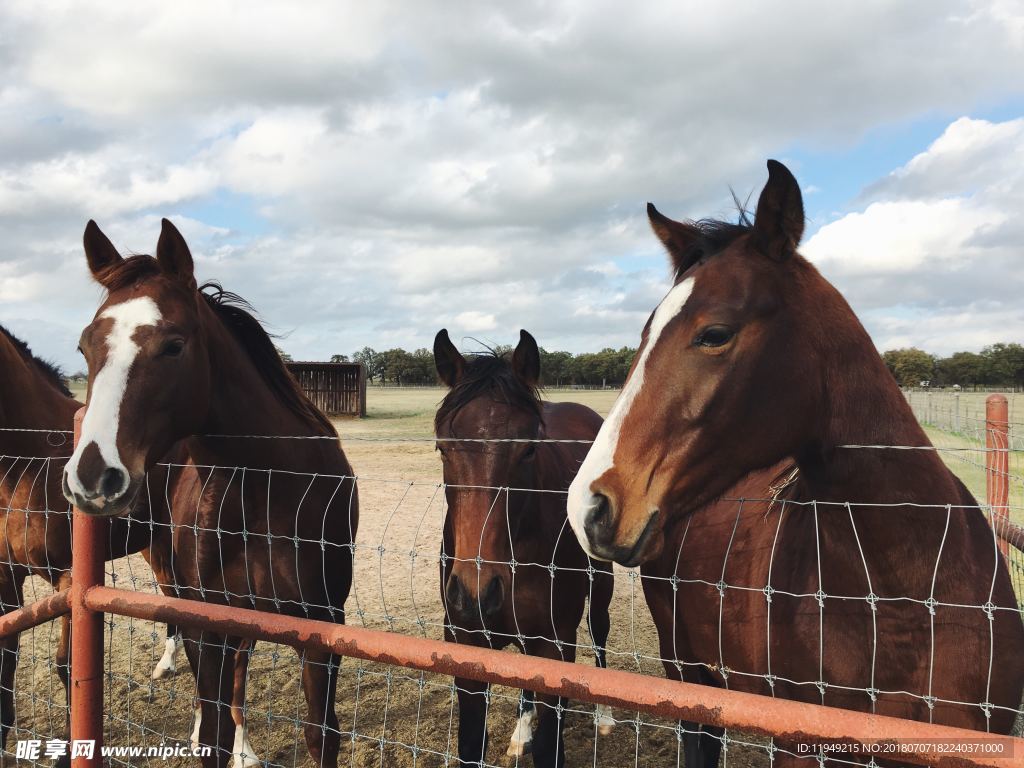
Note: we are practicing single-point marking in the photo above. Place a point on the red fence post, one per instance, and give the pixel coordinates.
(997, 462)
(86, 632)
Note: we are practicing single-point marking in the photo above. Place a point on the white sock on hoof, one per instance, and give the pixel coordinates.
(605, 720)
(522, 736)
(242, 753)
(194, 738)
(166, 666)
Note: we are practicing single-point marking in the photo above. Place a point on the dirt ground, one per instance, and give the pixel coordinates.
(389, 716)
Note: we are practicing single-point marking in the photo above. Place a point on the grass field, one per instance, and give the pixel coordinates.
(397, 412)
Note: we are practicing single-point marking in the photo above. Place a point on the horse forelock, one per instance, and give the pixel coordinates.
(492, 375)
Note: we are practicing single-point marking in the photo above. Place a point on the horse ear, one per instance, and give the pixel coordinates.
(99, 252)
(779, 221)
(526, 359)
(447, 359)
(678, 239)
(173, 255)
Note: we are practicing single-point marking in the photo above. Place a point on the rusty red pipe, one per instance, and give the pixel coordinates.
(88, 544)
(786, 720)
(35, 613)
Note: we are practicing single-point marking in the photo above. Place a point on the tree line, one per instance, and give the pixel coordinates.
(998, 365)
(558, 369)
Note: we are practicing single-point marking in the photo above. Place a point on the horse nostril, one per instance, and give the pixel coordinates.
(111, 482)
(454, 594)
(493, 597)
(600, 512)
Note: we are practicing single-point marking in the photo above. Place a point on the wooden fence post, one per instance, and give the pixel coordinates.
(997, 462)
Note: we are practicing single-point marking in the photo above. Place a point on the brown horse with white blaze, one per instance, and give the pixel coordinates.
(36, 414)
(868, 579)
(171, 361)
(511, 571)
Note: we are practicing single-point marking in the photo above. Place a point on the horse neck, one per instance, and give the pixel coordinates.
(28, 400)
(242, 403)
(862, 405)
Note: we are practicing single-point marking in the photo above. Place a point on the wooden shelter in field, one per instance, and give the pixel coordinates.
(337, 389)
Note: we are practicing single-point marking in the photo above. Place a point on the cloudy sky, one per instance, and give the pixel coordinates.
(368, 173)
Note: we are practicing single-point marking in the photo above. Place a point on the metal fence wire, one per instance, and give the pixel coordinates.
(392, 716)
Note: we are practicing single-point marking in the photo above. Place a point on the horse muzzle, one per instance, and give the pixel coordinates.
(470, 608)
(607, 538)
(111, 495)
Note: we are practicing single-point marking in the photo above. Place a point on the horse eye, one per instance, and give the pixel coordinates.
(172, 348)
(714, 336)
(530, 452)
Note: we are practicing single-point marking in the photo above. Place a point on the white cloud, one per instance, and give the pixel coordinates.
(902, 237)
(367, 173)
(474, 321)
(934, 258)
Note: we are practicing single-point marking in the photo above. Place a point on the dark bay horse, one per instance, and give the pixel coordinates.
(506, 506)
(172, 361)
(868, 579)
(35, 519)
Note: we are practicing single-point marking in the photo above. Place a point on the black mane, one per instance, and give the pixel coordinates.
(236, 314)
(715, 235)
(50, 371)
(492, 374)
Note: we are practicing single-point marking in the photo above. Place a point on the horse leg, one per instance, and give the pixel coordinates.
(521, 742)
(62, 659)
(472, 720)
(167, 666)
(243, 754)
(599, 623)
(319, 681)
(11, 599)
(548, 745)
(702, 744)
(157, 554)
(212, 661)
(63, 656)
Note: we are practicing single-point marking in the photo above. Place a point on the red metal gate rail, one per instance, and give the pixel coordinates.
(34, 614)
(786, 720)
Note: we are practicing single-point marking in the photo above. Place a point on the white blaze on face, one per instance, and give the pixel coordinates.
(601, 456)
(108, 387)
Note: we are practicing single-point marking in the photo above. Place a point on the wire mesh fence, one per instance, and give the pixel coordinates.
(389, 715)
(963, 412)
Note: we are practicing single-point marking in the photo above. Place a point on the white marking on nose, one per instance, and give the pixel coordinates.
(108, 387)
(601, 456)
